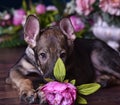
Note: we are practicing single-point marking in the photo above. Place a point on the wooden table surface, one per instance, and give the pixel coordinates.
(9, 96)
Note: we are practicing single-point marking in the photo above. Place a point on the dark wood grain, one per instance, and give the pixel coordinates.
(9, 96)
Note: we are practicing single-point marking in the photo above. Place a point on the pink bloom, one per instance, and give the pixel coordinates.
(18, 16)
(40, 9)
(7, 16)
(110, 6)
(2, 23)
(57, 93)
(51, 8)
(78, 25)
(84, 6)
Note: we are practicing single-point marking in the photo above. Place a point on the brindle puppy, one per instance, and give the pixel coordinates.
(86, 60)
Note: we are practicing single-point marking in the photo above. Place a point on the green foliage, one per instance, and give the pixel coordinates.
(48, 79)
(13, 42)
(48, 18)
(81, 100)
(24, 4)
(59, 70)
(10, 37)
(73, 81)
(9, 30)
(66, 81)
(87, 89)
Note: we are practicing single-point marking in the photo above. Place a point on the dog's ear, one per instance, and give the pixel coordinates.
(31, 30)
(67, 28)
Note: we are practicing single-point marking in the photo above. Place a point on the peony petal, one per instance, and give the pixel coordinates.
(110, 6)
(58, 93)
(58, 99)
(68, 98)
(84, 6)
(50, 99)
(78, 25)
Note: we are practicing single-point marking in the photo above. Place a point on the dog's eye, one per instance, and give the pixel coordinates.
(62, 55)
(43, 55)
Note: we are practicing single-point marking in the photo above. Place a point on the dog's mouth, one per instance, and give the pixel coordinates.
(40, 71)
(46, 74)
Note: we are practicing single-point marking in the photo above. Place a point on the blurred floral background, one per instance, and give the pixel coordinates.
(90, 19)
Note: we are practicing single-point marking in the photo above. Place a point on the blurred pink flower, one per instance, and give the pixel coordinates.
(78, 25)
(7, 16)
(2, 23)
(40, 9)
(51, 8)
(18, 16)
(84, 6)
(58, 93)
(110, 6)
(5, 20)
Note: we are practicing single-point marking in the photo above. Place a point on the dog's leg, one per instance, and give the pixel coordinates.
(106, 79)
(24, 85)
(107, 62)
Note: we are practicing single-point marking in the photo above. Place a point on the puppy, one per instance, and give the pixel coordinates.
(86, 60)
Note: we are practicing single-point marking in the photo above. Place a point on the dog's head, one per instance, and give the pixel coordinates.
(45, 46)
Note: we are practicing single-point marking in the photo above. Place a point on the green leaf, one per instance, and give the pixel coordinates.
(24, 5)
(66, 81)
(48, 79)
(87, 89)
(73, 81)
(59, 70)
(81, 100)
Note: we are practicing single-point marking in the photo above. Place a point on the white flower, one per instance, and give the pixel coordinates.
(70, 7)
(109, 34)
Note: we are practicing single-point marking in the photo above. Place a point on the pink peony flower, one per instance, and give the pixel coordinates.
(110, 6)
(18, 16)
(57, 93)
(78, 25)
(40, 9)
(84, 6)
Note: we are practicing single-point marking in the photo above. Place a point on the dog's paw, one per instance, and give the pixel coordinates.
(8, 81)
(42, 98)
(29, 96)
